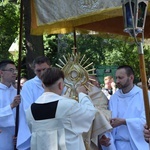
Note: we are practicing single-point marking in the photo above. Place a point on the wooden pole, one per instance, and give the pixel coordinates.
(144, 83)
(75, 41)
(19, 68)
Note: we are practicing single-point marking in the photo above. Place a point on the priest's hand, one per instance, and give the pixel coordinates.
(81, 89)
(115, 122)
(146, 133)
(16, 101)
(104, 141)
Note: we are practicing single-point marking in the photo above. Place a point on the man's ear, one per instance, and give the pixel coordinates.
(132, 77)
(60, 85)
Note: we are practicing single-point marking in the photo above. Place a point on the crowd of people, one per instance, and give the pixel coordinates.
(109, 118)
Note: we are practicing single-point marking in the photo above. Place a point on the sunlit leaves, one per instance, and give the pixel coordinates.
(9, 24)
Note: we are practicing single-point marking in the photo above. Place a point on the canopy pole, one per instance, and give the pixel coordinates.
(144, 82)
(75, 41)
(19, 68)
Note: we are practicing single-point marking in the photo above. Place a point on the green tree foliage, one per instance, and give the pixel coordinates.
(147, 59)
(100, 51)
(9, 20)
(50, 48)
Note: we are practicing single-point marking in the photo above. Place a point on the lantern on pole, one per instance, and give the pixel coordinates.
(134, 12)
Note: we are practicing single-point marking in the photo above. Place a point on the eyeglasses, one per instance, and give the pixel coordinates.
(11, 70)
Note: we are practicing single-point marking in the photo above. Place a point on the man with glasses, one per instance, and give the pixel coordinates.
(9, 100)
(31, 90)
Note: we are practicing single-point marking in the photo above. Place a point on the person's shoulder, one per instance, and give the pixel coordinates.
(28, 85)
(67, 104)
(30, 81)
(137, 89)
(69, 100)
(13, 88)
(115, 95)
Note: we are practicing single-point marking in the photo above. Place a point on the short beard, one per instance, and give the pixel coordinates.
(123, 86)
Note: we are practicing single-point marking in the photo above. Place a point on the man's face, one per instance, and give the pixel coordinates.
(122, 80)
(107, 83)
(9, 73)
(39, 68)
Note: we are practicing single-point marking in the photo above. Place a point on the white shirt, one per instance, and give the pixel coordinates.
(7, 117)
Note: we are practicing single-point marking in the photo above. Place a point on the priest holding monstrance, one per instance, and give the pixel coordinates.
(77, 75)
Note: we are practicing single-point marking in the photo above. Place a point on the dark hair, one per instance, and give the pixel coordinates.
(51, 75)
(40, 60)
(4, 63)
(129, 69)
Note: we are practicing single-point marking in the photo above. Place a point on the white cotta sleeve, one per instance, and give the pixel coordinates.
(6, 117)
(83, 114)
(135, 127)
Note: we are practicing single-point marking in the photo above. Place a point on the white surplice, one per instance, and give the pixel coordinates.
(64, 132)
(7, 117)
(129, 106)
(31, 90)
